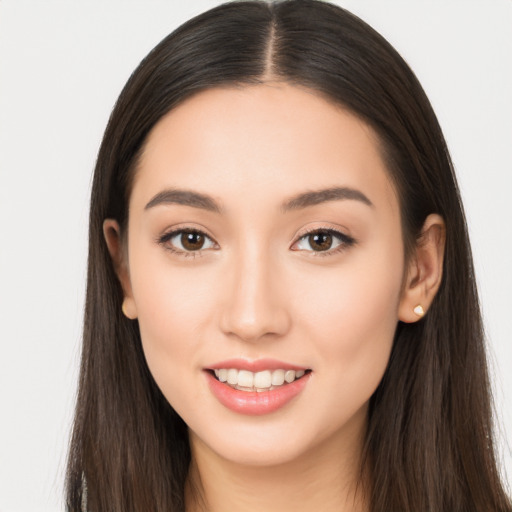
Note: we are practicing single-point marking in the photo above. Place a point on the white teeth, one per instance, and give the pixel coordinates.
(245, 379)
(277, 377)
(265, 380)
(232, 376)
(289, 376)
(244, 388)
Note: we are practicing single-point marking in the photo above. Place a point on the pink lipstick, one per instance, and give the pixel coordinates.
(256, 387)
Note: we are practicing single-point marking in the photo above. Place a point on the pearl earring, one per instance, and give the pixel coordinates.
(419, 310)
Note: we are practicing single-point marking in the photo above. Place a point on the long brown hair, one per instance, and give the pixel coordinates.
(429, 443)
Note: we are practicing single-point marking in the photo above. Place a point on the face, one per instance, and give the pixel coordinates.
(264, 242)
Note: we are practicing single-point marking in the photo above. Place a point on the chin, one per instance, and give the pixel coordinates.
(271, 449)
(266, 442)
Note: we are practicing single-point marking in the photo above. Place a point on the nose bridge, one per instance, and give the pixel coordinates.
(254, 307)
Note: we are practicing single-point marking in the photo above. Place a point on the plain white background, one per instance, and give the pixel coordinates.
(62, 65)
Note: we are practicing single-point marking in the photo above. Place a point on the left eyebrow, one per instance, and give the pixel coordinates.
(321, 196)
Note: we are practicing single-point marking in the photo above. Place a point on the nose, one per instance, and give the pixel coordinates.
(255, 302)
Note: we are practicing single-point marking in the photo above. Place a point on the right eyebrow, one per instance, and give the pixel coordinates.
(186, 198)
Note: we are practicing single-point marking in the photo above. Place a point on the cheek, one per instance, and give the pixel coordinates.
(172, 308)
(354, 318)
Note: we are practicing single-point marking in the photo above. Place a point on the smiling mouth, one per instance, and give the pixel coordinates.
(266, 380)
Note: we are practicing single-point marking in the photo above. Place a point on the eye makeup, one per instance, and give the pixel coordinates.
(192, 242)
(187, 242)
(320, 237)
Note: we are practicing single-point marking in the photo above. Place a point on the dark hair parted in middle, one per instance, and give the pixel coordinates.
(429, 439)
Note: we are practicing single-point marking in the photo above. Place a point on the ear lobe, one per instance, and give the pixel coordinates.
(112, 234)
(425, 271)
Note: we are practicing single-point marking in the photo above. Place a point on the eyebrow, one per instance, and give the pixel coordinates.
(315, 197)
(298, 202)
(186, 198)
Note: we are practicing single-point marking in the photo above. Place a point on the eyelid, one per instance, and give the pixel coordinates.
(164, 239)
(346, 240)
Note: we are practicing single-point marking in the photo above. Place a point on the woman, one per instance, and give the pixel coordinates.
(281, 309)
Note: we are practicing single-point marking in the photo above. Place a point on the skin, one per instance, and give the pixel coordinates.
(258, 289)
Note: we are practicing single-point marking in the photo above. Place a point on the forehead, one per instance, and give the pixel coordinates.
(271, 140)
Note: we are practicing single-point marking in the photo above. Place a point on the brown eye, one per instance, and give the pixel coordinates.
(186, 241)
(327, 241)
(321, 241)
(192, 240)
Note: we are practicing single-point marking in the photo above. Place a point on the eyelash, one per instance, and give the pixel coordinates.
(345, 241)
(167, 237)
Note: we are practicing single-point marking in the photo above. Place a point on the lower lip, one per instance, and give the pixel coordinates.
(255, 403)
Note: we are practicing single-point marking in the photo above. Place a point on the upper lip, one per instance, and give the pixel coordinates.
(256, 365)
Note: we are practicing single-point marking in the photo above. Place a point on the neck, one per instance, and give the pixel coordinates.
(326, 478)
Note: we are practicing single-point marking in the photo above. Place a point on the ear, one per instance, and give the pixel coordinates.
(112, 234)
(424, 272)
